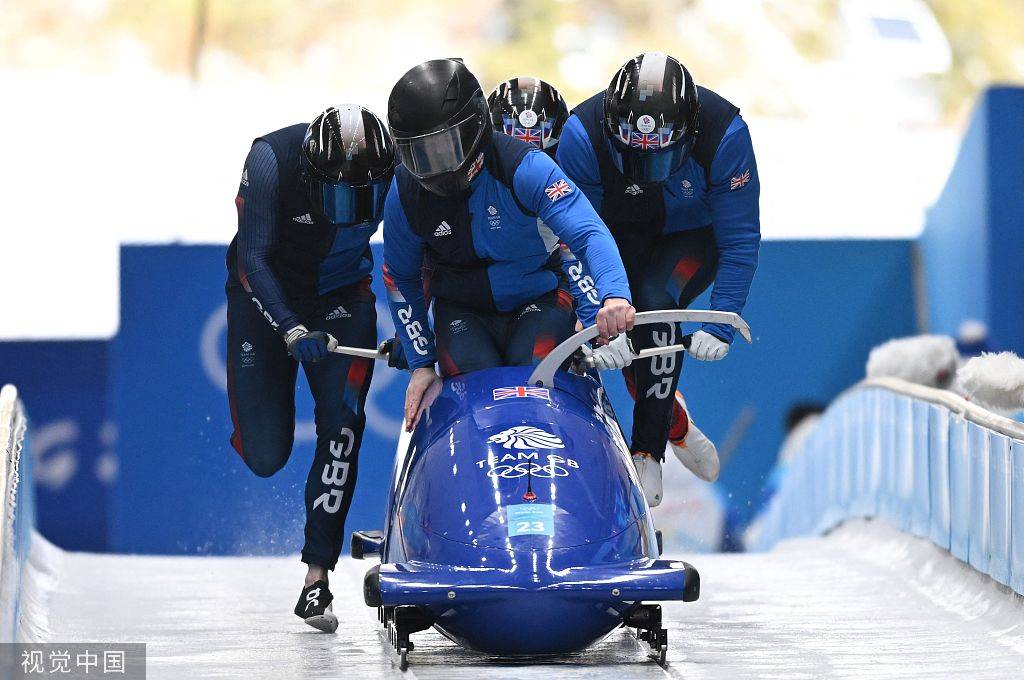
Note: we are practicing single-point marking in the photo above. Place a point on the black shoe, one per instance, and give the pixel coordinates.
(314, 607)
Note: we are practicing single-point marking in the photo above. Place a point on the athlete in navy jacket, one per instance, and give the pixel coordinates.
(465, 202)
(532, 110)
(670, 168)
(299, 281)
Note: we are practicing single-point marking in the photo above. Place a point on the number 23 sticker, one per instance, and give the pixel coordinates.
(537, 519)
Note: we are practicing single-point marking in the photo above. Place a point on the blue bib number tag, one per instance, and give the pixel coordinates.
(532, 519)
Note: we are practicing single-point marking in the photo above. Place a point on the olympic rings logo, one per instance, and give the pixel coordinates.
(524, 468)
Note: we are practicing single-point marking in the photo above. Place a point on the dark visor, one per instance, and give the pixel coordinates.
(436, 153)
(650, 166)
(347, 205)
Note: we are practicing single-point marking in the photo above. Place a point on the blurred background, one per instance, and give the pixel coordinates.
(888, 140)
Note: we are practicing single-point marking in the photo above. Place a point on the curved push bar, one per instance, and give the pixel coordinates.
(544, 374)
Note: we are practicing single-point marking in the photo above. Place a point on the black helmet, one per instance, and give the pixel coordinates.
(348, 160)
(529, 109)
(438, 117)
(650, 114)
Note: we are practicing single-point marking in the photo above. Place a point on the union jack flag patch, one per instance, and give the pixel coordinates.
(739, 181)
(529, 135)
(520, 392)
(639, 140)
(558, 189)
(475, 167)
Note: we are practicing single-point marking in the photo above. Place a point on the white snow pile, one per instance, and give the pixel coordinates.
(994, 381)
(929, 360)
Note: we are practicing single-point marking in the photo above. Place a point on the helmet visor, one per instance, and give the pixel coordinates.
(348, 205)
(539, 135)
(445, 150)
(650, 166)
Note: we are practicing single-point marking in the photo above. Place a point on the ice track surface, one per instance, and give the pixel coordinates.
(865, 602)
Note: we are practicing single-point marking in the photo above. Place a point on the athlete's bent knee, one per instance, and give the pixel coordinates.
(266, 458)
(264, 468)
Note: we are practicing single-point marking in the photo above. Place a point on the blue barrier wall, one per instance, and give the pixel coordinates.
(816, 309)
(975, 227)
(926, 463)
(183, 488)
(64, 387)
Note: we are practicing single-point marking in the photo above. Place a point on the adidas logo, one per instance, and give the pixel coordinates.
(245, 177)
(303, 219)
(443, 229)
(634, 190)
(339, 313)
(526, 310)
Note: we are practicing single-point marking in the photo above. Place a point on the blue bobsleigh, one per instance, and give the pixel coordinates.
(516, 524)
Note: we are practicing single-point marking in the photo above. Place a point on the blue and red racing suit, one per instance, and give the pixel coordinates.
(675, 237)
(498, 276)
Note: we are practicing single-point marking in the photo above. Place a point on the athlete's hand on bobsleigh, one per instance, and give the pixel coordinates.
(707, 347)
(306, 345)
(615, 316)
(424, 386)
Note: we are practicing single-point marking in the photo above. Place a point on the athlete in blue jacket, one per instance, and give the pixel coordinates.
(299, 281)
(465, 203)
(670, 168)
(532, 110)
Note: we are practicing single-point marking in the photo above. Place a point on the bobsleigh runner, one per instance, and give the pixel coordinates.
(516, 524)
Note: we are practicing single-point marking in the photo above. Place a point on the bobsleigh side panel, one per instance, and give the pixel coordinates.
(526, 486)
(521, 473)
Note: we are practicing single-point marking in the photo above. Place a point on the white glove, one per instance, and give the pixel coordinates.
(707, 347)
(615, 355)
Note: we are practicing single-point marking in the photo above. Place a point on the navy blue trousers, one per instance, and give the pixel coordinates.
(469, 339)
(669, 275)
(261, 393)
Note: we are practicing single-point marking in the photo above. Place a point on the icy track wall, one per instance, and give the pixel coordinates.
(17, 521)
(924, 460)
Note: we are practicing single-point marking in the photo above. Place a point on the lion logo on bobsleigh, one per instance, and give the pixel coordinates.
(526, 437)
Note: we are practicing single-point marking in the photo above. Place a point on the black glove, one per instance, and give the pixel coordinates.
(306, 345)
(396, 353)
